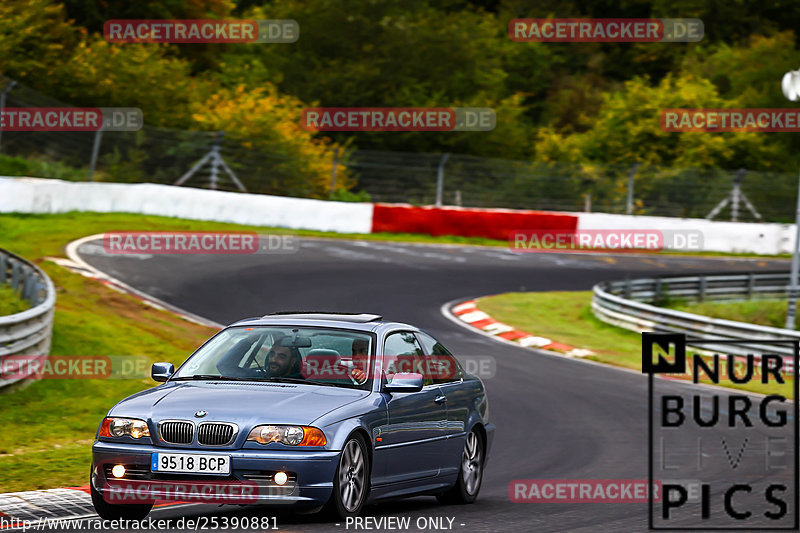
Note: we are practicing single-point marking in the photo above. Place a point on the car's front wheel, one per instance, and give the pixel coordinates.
(470, 475)
(110, 511)
(351, 481)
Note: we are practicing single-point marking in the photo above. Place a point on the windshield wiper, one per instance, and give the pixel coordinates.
(287, 380)
(206, 376)
(309, 382)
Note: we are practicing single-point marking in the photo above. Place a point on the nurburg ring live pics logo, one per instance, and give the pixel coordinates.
(726, 457)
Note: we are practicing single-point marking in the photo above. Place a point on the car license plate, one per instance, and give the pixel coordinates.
(191, 463)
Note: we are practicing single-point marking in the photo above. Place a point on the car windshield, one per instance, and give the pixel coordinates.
(321, 356)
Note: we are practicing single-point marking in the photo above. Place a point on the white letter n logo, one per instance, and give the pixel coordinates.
(663, 353)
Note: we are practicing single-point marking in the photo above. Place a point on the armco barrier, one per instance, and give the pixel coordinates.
(28, 332)
(622, 303)
(489, 223)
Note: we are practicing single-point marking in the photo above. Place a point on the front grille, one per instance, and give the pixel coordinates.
(176, 432)
(216, 433)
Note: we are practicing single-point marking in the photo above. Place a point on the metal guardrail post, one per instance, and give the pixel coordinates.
(98, 137)
(657, 292)
(751, 282)
(440, 179)
(791, 308)
(701, 294)
(3, 94)
(14, 276)
(629, 199)
(334, 166)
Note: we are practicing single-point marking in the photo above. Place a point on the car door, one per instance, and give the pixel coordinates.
(410, 446)
(447, 374)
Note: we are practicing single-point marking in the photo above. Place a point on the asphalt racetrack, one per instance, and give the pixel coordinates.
(556, 418)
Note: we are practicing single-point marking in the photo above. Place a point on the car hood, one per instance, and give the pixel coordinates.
(244, 403)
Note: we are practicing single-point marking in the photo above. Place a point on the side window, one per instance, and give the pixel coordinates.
(402, 353)
(443, 367)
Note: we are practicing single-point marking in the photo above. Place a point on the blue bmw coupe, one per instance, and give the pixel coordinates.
(308, 410)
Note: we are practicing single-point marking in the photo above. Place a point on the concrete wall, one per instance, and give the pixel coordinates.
(739, 237)
(34, 195)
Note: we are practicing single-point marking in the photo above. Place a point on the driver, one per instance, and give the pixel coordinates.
(283, 361)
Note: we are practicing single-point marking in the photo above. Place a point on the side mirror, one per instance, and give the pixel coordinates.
(162, 371)
(404, 382)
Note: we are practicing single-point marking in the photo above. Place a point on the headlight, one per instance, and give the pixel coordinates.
(124, 427)
(290, 435)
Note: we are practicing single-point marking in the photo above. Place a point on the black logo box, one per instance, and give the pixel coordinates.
(678, 366)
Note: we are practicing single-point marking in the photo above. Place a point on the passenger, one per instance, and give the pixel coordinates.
(360, 360)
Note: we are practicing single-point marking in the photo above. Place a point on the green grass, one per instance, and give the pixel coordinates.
(12, 226)
(53, 232)
(10, 302)
(763, 312)
(566, 317)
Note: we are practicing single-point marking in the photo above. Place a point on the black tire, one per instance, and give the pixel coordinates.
(470, 474)
(110, 511)
(351, 480)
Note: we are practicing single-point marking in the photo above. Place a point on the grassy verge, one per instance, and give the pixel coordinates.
(566, 317)
(10, 302)
(763, 312)
(53, 232)
(82, 224)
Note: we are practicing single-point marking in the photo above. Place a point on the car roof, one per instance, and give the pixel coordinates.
(352, 321)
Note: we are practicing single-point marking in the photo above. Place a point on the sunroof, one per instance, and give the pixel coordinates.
(322, 315)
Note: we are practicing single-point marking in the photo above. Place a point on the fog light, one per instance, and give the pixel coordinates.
(281, 478)
(118, 471)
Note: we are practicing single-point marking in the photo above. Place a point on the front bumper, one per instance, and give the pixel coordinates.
(250, 481)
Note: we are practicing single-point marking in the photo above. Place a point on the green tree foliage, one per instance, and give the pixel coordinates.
(593, 104)
(35, 38)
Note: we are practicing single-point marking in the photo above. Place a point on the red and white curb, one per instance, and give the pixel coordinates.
(469, 313)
